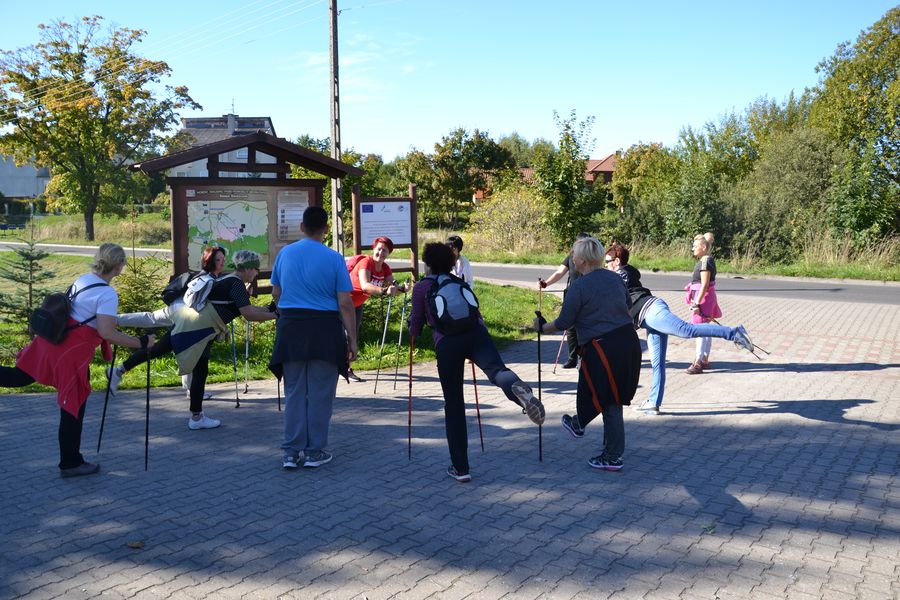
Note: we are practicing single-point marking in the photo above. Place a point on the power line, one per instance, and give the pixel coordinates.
(193, 45)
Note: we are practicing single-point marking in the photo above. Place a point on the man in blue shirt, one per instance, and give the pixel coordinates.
(315, 338)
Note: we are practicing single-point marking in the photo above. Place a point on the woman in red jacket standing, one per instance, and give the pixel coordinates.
(66, 366)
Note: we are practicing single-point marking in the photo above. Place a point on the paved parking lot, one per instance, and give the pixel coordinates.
(761, 479)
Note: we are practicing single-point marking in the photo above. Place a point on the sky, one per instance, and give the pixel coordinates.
(411, 71)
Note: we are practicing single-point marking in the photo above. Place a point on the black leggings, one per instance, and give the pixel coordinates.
(14, 377)
(162, 346)
(69, 433)
(200, 372)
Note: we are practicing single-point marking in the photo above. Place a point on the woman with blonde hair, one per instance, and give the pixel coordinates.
(596, 304)
(66, 365)
(701, 296)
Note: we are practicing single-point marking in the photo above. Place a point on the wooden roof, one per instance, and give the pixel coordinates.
(261, 141)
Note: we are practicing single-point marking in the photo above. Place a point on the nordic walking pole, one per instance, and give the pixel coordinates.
(399, 341)
(387, 320)
(412, 343)
(247, 360)
(477, 408)
(147, 419)
(541, 320)
(559, 352)
(112, 365)
(237, 401)
(754, 345)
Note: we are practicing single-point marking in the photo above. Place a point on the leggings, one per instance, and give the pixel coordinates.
(69, 434)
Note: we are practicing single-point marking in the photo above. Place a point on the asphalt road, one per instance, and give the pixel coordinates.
(777, 287)
(796, 288)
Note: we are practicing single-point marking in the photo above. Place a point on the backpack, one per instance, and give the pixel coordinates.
(176, 288)
(453, 304)
(51, 320)
(352, 261)
(198, 290)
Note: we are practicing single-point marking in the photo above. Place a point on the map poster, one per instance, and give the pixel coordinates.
(391, 219)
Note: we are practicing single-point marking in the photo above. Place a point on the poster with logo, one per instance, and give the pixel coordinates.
(385, 218)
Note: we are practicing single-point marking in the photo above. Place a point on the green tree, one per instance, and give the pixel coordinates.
(23, 274)
(857, 99)
(82, 102)
(772, 211)
(523, 152)
(559, 177)
(643, 182)
(462, 164)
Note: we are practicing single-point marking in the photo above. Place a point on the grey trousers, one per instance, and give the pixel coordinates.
(309, 391)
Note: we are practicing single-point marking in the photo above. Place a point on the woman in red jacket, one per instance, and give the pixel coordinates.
(66, 366)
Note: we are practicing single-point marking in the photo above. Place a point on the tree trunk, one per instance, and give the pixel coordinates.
(89, 224)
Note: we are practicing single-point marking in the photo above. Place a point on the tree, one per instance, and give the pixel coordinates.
(462, 164)
(82, 102)
(559, 176)
(643, 182)
(858, 98)
(784, 199)
(524, 153)
(25, 274)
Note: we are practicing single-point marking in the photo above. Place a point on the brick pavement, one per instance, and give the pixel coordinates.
(761, 479)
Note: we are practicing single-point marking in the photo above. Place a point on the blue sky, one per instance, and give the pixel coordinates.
(413, 70)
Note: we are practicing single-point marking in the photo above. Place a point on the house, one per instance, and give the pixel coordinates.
(207, 130)
(22, 183)
(601, 170)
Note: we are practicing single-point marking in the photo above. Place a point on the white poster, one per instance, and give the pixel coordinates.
(390, 219)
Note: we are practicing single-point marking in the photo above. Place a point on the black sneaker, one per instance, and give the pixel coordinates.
(571, 364)
(605, 463)
(85, 468)
(354, 377)
(460, 477)
(317, 459)
(572, 426)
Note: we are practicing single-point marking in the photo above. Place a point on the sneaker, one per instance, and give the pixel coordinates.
(290, 460)
(354, 377)
(605, 463)
(203, 422)
(696, 368)
(704, 364)
(571, 363)
(742, 340)
(317, 459)
(647, 408)
(206, 395)
(114, 375)
(571, 425)
(460, 477)
(531, 405)
(84, 468)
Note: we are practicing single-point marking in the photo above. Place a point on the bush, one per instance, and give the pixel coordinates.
(513, 220)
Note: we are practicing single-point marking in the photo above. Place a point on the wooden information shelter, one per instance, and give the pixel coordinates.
(261, 214)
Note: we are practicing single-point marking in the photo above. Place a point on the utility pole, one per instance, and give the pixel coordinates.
(337, 209)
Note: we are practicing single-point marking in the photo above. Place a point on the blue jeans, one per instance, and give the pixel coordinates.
(660, 323)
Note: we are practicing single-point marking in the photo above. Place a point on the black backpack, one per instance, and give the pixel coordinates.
(453, 304)
(51, 319)
(177, 286)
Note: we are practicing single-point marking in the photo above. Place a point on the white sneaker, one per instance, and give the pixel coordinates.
(114, 374)
(203, 422)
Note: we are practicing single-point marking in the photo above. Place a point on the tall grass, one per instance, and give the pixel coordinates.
(144, 230)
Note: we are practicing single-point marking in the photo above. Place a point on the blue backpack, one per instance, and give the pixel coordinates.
(453, 304)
